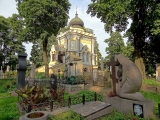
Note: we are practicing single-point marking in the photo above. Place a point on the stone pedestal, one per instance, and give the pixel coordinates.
(128, 106)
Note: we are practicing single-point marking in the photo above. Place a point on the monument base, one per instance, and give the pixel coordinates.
(143, 109)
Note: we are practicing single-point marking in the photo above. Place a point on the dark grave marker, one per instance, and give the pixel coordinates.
(53, 82)
(21, 69)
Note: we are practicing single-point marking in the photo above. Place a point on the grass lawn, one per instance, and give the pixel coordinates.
(69, 115)
(151, 82)
(9, 111)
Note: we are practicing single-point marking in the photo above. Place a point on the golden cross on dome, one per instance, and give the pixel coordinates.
(76, 11)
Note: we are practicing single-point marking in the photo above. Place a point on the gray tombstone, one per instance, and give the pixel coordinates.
(53, 82)
(8, 68)
(21, 70)
(32, 72)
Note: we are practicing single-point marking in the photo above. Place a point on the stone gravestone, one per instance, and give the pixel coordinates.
(32, 71)
(126, 82)
(8, 68)
(53, 82)
(158, 72)
(21, 70)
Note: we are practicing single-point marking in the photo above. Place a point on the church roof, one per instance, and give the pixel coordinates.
(73, 57)
(76, 22)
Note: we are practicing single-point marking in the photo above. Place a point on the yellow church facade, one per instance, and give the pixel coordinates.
(74, 55)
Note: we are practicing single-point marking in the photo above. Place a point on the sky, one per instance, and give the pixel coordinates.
(8, 7)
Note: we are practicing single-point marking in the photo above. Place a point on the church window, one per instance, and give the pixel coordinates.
(53, 57)
(73, 45)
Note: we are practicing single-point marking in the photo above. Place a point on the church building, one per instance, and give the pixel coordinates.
(74, 55)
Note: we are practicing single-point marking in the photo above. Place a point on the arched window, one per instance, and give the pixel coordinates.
(53, 56)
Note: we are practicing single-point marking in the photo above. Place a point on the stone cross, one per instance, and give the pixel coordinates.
(113, 63)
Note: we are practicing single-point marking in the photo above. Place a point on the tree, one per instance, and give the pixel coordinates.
(116, 46)
(116, 13)
(8, 41)
(96, 49)
(36, 52)
(41, 19)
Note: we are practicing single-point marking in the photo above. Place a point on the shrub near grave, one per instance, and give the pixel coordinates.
(7, 85)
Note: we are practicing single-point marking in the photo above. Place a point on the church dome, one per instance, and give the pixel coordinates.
(76, 22)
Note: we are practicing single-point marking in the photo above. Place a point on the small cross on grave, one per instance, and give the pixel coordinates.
(113, 63)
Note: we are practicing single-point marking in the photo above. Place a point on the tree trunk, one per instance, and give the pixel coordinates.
(139, 61)
(45, 59)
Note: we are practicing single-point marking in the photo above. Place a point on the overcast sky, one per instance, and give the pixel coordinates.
(8, 7)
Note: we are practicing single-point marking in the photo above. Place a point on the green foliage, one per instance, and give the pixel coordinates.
(144, 16)
(69, 115)
(37, 51)
(116, 46)
(34, 94)
(114, 115)
(151, 82)
(8, 41)
(40, 75)
(11, 74)
(63, 29)
(42, 21)
(8, 109)
(97, 51)
(152, 96)
(7, 85)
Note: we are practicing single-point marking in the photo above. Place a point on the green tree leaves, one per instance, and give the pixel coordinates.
(41, 20)
(116, 46)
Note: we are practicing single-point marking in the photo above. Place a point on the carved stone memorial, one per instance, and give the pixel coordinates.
(21, 70)
(126, 82)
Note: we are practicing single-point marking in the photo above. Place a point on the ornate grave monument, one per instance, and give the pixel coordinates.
(126, 82)
(21, 70)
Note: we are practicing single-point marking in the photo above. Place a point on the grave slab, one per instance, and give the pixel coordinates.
(92, 110)
(126, 106)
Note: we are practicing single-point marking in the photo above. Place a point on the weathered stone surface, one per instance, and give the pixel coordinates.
(126, 106)
(130, 80)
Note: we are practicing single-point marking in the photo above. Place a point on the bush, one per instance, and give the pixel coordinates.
(40, 75)
(7, 85)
